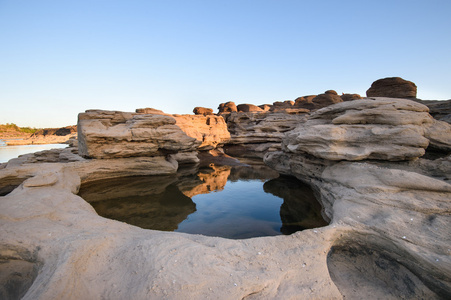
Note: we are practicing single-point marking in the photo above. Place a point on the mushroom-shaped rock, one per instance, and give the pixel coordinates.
(393, 87)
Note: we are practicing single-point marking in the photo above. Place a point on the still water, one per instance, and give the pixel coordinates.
(9, 152)
(231, 202)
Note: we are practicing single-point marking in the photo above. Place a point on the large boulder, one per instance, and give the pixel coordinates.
(350, 97)
(203, 111)
(381, 128)
(210, 130)
(305, 102)
(227, 107)
(248, 108)
(328, 98)
(115, 134)
(393, 87)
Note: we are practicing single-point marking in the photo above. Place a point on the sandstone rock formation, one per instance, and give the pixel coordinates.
(389, 210)
(393, 87)
(350, 97)
(328, 98)
(392, 215)
(227, 107)
(211, 131)
(305, 102)
(440, 110)
(114, 134)
(248, 108)
(203, 111)
(257, 133)
(360, 129)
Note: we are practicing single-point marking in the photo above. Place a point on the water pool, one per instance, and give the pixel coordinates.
(231, 202)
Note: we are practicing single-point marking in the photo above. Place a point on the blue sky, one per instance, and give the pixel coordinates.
(59, 58)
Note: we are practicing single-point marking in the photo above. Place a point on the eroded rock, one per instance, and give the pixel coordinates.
(393, 87)
(361, 129)
(113, 134)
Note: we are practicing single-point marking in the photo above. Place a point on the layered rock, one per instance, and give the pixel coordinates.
(227, 107)
(211, 131)
(248, 108)
(114, 134)
(392, 215)
(328, 98)
(258, 133)
(440, 110)
(350, 97)
(380, 128)
(388, 236)
(393, 87)
(203, 111)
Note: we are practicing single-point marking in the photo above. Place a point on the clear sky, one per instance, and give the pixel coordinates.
(61, 57)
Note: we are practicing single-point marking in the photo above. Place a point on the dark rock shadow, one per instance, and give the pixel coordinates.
(300, 209)
(18, 270)
(369, 271)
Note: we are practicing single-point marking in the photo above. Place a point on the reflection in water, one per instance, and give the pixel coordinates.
(233, 202)
(300, 209)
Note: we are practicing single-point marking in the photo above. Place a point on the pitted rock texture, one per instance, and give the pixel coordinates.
(379, 128)
(393, 87)
(398, 214)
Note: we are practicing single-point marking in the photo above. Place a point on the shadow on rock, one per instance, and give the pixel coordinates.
(300, 209)
(364, 270)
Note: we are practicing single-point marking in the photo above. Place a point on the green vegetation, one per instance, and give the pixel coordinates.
(11, 127)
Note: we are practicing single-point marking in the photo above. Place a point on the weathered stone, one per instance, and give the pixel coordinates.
(440, 110)
(149, 110)
(305, 102)
(111, 134)
(211, 131)
(393, 212)
(331, 92)
(326, 99)
(265, 107)
(382, 128)
(249, 128)
(350, 97)
(393, 87)
(248, 108)
(203, 111)
(227, 107)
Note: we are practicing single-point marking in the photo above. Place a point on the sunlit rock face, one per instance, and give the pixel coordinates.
(363, 159)
(379, 128)
(260, 132)
(114, 134)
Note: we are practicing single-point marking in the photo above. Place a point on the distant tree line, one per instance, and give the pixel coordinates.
(11, 127)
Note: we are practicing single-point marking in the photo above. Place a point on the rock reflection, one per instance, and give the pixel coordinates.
(300, 209)
(247, 207)
(147, 202)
